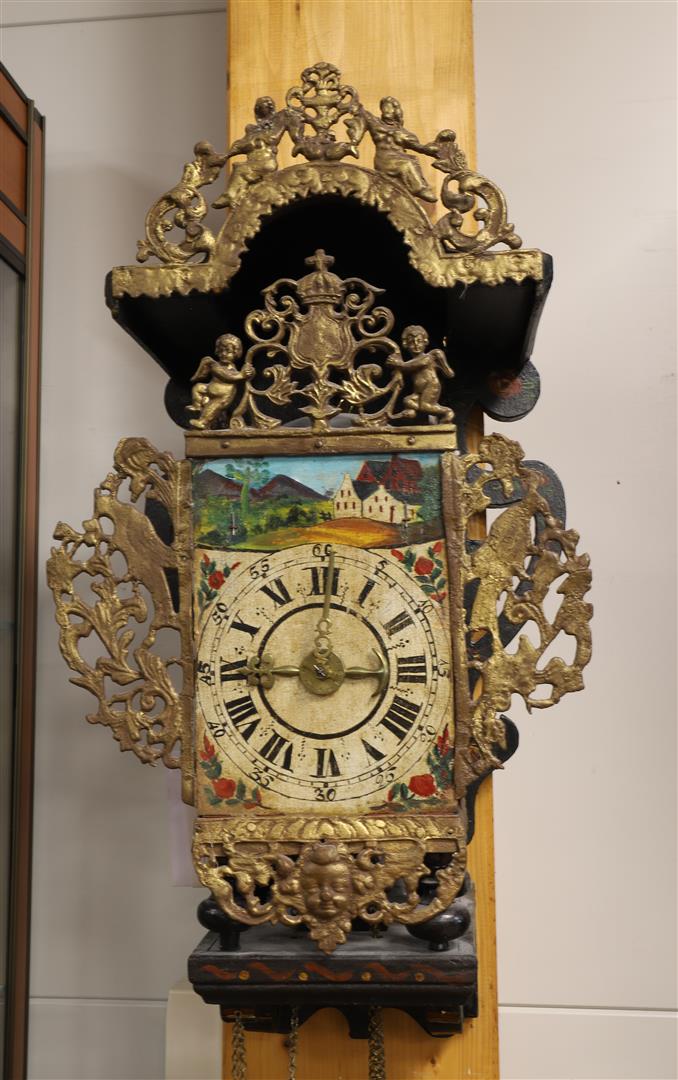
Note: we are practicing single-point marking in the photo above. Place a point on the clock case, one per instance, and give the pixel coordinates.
(411, 943)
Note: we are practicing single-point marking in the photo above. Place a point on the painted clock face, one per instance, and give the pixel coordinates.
(307, 709)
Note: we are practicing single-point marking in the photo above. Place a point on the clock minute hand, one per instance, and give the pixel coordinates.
(322, 647)
(380, 673)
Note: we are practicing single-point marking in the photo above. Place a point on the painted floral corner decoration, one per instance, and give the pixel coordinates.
(222, 789)
(426, 789)
(211, 580)
(427, 569)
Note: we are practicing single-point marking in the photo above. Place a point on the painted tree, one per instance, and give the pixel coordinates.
(252, 471)
(430, 494)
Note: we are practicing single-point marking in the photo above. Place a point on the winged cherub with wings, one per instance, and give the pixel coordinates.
(424, 367)
(214, 396)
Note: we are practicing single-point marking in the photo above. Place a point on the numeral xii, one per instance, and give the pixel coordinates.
(319, 580)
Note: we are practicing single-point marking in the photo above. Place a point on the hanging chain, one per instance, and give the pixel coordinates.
(238, 1055)
(375, 1043)
(292, 1044)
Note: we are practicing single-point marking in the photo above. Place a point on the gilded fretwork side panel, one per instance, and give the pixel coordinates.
(117, 584)
(527, 560)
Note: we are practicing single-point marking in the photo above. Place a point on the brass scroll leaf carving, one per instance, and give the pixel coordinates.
(325, 121)
(324, 883)
(526, 556)
(183, 208)
(136, 697)
(323, 329)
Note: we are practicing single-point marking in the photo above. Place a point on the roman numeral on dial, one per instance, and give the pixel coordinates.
(231, 669)
(326, 763)
(398, 623)
(274, 747)
(365, 591)
(244, 628)
(240, 710)
(400, 717)
(277, 590)
(319, 580)
(411, 669)
(375, 754)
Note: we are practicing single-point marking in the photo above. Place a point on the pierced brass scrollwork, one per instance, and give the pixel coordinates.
(316, 326)
(330, 881)
(526, 555)
(136, 697)
(326, 122)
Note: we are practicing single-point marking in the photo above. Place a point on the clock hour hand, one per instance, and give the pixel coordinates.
(380, 673)
(261, 670)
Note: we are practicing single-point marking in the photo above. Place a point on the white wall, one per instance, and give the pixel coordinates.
(575, 120)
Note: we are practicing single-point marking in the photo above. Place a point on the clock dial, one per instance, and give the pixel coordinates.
(324, 675)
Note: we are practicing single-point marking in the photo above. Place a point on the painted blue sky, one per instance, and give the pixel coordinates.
(323, 473)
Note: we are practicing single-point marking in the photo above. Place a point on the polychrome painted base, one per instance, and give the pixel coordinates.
(274, 970)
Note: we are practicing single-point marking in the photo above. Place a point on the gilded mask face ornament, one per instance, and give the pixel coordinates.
(322, 888)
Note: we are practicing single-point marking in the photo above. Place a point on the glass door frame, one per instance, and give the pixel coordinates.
(22, 134)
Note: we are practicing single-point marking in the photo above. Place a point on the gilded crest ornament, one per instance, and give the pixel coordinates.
(316, 325)
(325, 122)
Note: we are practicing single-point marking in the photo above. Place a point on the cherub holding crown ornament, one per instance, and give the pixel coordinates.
(213, 397)
(424, 367)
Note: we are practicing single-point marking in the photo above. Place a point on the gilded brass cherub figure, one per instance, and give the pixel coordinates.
(391, 140)
(424, 367)
(260, 145)
(212, 397)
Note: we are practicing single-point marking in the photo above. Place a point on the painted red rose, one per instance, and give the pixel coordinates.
(423, 566)
(208, 750)
(444, 741)
(224, 788)
(437, 547)
(397, 554)
(216, 579)
(423, 785)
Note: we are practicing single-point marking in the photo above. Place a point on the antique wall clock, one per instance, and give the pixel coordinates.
(348, 636)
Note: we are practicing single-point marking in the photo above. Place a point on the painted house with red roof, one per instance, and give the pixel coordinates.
(387, 490)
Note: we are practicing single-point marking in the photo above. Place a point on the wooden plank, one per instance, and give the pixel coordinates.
(420, 51)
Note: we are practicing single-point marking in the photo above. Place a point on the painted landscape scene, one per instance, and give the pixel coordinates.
(257, 504)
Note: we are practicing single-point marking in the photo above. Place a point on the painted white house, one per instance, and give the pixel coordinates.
(382, 491)
(346, 500)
